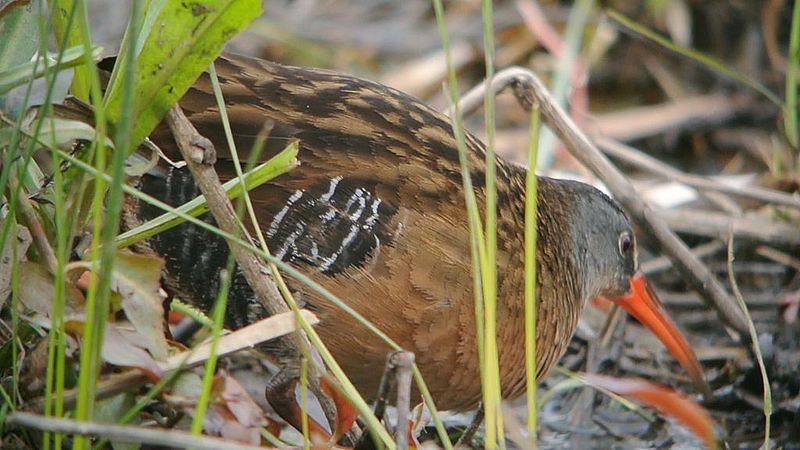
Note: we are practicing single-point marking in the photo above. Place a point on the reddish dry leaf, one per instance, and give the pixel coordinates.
(346, 414)
(36, 295)
(231, 413)
(791, 303)
(239, 402)
(137, 279)
(233, 430)
(666, 401)
(123, 348)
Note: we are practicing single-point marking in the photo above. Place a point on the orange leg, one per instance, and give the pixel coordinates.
(280, 394)
(346, 415)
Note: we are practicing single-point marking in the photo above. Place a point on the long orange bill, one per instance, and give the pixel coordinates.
(643, 304)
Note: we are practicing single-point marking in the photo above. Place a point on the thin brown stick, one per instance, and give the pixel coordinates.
(722, 202)
(756, 347)
(636, 157)
(690, 300)
(465, 441)
(123, 433)
(530, 90)
(684, 113)
(779, 256)
(663, 263)
(386, 385)
(770, 13)
(191, 145)
(717, 225)
(107, 387)
(403, 362)
(36, 230)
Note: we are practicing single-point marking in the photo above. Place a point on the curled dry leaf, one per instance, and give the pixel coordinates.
(123, 347)
(239, 402)
(7, 259)
(136, 278)
(231, 414)
(666, 401)
(247, 418)
(36, 296)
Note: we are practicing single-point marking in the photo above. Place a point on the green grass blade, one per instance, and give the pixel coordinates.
(491, 384)
(98, 292)
(145, 400)
(477, 242)
(304, 402)
(211, 363)
(703, 59)
(70, 32)
(790, 106)
(531, 188)
(190, 311)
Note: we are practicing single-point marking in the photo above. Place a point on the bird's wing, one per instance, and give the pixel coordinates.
(366, 152)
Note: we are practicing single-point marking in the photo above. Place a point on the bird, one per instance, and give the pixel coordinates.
(375, 213)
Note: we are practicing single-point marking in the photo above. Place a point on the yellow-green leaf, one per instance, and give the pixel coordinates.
(184, 39)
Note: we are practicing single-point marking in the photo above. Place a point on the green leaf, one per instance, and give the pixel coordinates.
(184, 39)
(71, 28)
(17, 26)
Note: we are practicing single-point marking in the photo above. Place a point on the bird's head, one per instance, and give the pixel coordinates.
(605, 247)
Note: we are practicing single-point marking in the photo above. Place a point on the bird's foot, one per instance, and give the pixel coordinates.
(346, 415)
(280, 394)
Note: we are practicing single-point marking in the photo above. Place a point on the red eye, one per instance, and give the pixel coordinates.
(625, 243)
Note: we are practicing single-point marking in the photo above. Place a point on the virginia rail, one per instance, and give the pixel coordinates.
(375, 213)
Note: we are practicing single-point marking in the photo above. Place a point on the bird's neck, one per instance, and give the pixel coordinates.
(560, 262)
